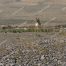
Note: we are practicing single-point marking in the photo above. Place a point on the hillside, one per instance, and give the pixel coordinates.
(21, 11)
(29, 9)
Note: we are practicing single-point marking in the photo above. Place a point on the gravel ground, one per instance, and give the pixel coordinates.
(33, 49)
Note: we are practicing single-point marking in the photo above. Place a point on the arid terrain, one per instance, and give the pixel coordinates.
(52, 11)
(33, 49)
(32, 32)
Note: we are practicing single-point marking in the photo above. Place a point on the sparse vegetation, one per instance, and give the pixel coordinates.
(20, 30)
(28, 30)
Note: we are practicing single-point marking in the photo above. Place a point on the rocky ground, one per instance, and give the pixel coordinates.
(33, 49)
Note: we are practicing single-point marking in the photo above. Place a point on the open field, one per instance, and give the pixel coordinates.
(31, 22)
(44, 9)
